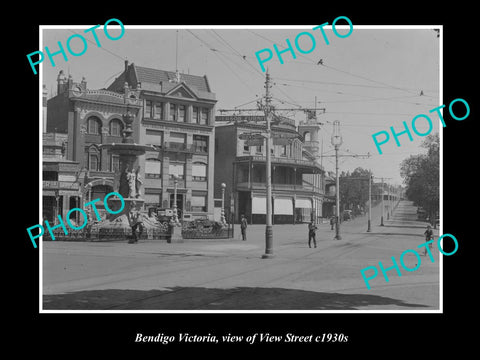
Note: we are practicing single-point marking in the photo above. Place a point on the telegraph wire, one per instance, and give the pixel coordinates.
(102, 47)
(214, 50)
(244, 57)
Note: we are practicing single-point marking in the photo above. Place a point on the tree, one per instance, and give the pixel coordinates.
(421, 176)
(354, 188)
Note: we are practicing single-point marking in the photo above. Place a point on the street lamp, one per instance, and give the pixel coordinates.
(175, 212)
(223, 185)
(369, 228)
(383, 206)
(336, 142)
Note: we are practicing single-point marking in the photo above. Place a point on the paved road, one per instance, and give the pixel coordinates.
(230, 274)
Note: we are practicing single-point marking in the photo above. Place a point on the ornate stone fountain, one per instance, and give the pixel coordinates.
(127, 182)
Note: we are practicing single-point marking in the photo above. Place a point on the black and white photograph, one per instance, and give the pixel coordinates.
(257, 183)
(246, 183)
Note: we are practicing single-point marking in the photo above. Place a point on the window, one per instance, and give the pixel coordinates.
(283, 150)
(177, 140)
(153, 137)
(176, 169)
(199, 171)
(158, 111)
(199, 202)
(259, 149)
(246, 148)
(115, 163)
(200, 143)
(152, 199)
(116, 127)
(153, 168)
(148, 108)
(195, 118)
(306, 136)
(94, 125)
(204, 117)
(173, 112)
(93, 162)
(181, 113)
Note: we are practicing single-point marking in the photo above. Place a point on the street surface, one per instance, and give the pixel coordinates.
(229, 274)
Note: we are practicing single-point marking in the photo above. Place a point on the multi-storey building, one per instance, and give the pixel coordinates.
(60, 185)
(173, 112)
(88, 119)
(178, 119)
(297, 186)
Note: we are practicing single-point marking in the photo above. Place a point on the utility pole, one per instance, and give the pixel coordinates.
(369, 226)
(268, 223)
(268, 137)
(336, 142)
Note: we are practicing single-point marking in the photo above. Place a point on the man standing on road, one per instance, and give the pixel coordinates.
(136, 222)
(332, 222)
(428, 235)
(311, 234)
(243, 227)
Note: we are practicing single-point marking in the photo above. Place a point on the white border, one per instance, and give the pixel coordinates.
(258, 27)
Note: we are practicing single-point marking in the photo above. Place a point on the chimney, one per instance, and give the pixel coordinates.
(126, 65)
(61, 82)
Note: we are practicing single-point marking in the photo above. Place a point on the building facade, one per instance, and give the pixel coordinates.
(88, 119)
(177, 118)
(60, 185)
(297, 186)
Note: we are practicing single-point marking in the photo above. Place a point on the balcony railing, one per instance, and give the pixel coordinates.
(174, 146)
(285, 187)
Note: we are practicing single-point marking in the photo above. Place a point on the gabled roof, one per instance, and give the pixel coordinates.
(161, 81)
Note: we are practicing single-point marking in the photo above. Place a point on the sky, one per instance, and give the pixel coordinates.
(371, 80)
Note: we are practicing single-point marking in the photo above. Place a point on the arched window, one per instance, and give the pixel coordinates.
(94, 125)
(93, 158)
(116, 127)
(306, 136)
(114, 163)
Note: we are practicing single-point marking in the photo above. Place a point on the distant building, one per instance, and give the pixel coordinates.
(297, 186)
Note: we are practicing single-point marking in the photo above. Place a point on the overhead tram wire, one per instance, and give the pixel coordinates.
(211, 48)
(244, 57)
(343, 71)
(372, 98)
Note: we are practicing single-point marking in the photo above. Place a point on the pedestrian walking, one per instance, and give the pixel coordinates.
(332, 222)
(243, 227)
(428, 236)
(312, 228)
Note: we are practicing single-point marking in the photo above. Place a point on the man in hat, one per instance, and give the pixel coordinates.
(312, 228)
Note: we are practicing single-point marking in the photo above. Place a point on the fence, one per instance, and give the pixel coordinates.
(206, 229)
(196, 229)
